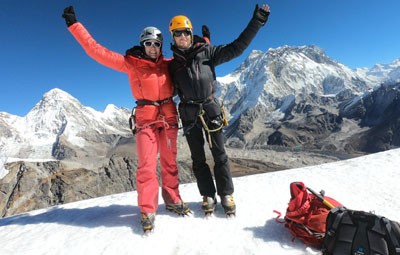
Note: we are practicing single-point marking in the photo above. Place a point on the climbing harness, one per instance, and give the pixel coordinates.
(134, 127)
(202, 116)
(141, 102)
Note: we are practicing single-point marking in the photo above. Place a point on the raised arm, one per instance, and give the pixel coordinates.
(224, 53)
(206, 33)
(96, 51)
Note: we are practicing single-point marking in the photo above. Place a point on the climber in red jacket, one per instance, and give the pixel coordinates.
(156, 118)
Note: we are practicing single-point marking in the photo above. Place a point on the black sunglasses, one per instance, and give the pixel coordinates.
(149, 44)
(177, 33)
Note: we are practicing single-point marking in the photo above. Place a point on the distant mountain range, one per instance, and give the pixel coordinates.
(57, 121)
(294, 96)
(288, 98)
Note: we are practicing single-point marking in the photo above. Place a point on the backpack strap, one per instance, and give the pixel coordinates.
(339, 215)
(333, 221)
(392, 234)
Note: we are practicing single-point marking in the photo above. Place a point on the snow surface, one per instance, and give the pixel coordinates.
(3, 170)
(110, 225)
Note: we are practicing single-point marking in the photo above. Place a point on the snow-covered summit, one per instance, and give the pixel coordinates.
(391, 70)
(57, 114)
(265, 78)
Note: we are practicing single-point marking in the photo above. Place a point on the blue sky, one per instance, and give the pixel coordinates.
(39, 54)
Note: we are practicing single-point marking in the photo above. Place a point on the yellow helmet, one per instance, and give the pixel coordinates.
(179, 21)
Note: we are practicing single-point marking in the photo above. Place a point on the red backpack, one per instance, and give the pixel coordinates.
(307, 212)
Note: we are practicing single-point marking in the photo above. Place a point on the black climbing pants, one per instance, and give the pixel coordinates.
(201, 170)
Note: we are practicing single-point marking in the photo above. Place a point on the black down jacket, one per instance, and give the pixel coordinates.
(193, 72)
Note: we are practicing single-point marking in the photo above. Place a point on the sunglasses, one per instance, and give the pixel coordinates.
(178, 33)
(149, 44)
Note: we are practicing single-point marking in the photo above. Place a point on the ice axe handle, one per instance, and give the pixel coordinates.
(321, 198)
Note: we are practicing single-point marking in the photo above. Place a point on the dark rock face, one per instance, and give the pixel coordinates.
(306, 132)
(34, 185)
(379, 111)
(310, 121)
(306, 120)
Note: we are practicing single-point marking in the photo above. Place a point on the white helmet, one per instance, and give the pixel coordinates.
(150, 33)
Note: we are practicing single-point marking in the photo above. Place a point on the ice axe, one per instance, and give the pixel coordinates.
(321, 198)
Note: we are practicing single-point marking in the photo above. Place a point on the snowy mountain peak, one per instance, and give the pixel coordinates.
(253, 55)
(53, 112)
(313, 53)
(58, 94)
(391, 70)
(111, 109)
(266, 78)
(56, 99)
(56, 115)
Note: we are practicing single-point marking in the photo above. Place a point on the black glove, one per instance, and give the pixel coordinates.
(69, 15)
(260, 15)
(205, 31)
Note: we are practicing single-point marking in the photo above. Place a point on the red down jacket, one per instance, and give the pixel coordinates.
(148, 80)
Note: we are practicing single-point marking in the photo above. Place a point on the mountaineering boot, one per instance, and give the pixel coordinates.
(208, 205)
(229, 205)
(147, 220)
(179, 208)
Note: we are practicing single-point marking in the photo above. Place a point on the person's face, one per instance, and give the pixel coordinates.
(182, 38)
(152, 48)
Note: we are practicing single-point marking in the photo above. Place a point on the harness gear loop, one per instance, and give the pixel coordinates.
(223, 115)
(151, 124)
(132, 121)
(206, 128)
(140, 102)
(201, 114)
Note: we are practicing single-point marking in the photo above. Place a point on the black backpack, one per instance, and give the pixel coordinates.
(350, 232)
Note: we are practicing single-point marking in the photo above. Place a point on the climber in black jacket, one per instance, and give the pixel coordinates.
(193, 74)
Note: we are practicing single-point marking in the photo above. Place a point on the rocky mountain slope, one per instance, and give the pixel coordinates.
(293, 96)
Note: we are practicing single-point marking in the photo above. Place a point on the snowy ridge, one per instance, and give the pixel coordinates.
(391, 71)
(110, 225)
(57, 114)
(265, 78)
